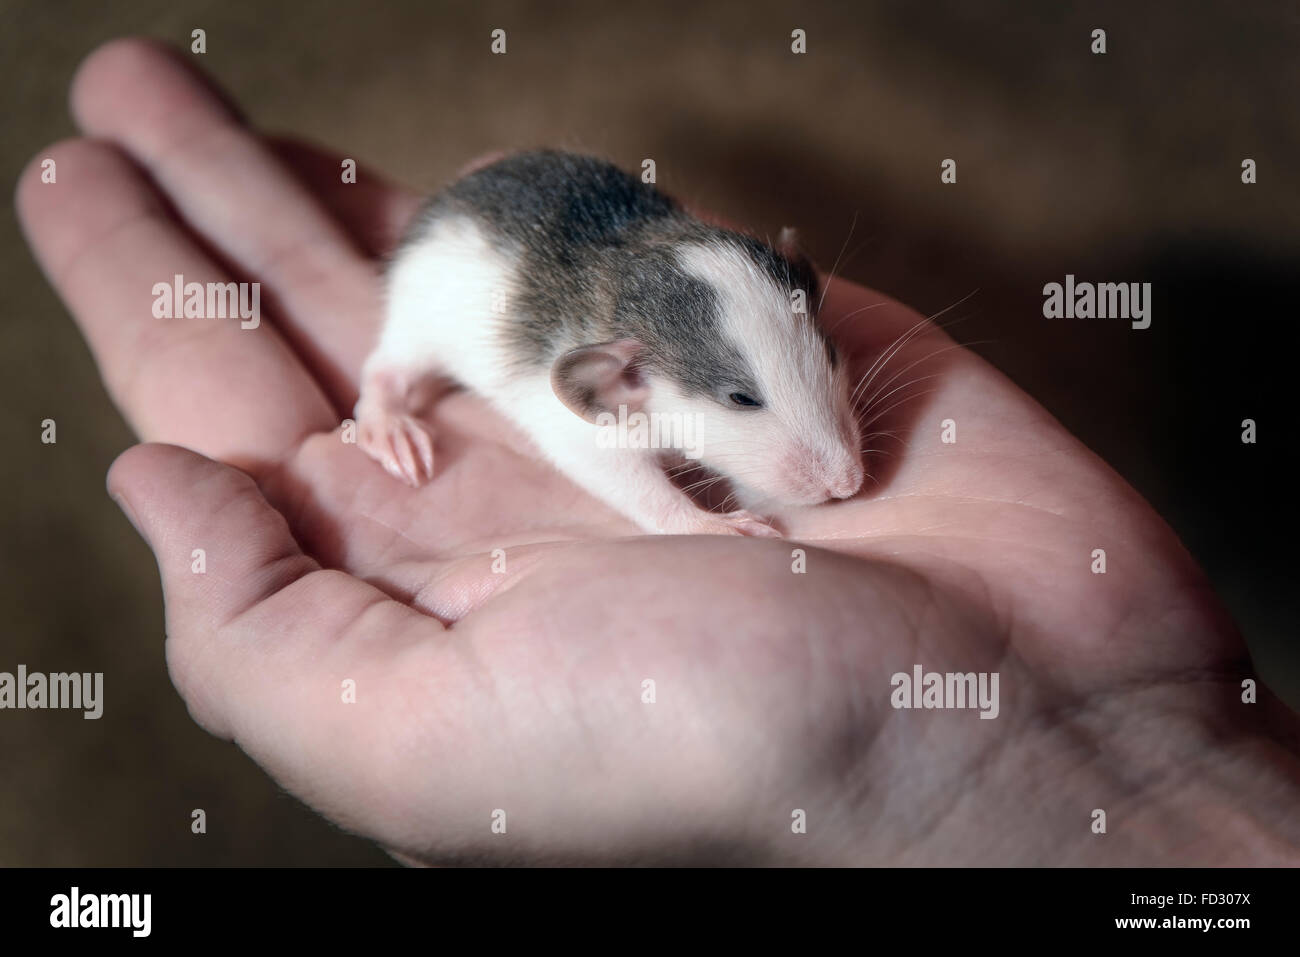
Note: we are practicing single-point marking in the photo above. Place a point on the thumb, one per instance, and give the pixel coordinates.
(220, 546)
(259, 636)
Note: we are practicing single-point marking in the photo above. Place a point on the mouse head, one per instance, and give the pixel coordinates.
(723, 355)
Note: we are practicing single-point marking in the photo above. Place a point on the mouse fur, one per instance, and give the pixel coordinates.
(560, 287)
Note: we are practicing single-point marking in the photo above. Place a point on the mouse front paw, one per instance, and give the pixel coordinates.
(730, 523)
(401, 443)
(747, 523)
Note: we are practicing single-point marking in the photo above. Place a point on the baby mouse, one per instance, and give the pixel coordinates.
(573, 296)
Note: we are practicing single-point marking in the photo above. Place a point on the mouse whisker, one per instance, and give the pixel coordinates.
(905, 398)
(876, 399)
(850, 315)
(706, 484)
(728, 501)
(884, 358)
(951, 345)
(878, 366)
(925, 358)
(831, 275)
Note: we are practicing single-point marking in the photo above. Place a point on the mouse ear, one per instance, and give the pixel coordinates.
(787, 243)
(600, 378)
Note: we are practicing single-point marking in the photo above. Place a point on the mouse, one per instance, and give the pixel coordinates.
(626, 338)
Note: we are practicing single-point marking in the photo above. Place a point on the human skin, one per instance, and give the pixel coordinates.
(479, 691)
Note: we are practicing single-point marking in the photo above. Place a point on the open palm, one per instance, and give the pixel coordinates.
(497, 646)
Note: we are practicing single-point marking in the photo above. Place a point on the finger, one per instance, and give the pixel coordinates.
(230, 187)
(104, 238)
(261, 640)
(373, 211)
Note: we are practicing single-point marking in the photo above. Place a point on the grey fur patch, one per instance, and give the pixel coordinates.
(596, 252)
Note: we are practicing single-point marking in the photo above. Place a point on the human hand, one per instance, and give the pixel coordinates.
(522, 691)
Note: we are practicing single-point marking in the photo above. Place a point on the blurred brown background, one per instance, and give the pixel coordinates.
(1122, 167)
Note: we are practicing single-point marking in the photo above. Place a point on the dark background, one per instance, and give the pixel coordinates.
(1122, 167)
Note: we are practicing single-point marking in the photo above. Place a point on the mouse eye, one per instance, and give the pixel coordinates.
(740, 398)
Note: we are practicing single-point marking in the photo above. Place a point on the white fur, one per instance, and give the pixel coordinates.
(443, 319)
(805, 414)
(440, 310)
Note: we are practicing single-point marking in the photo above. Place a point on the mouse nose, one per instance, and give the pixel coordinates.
(846, 485)
(821, 477)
